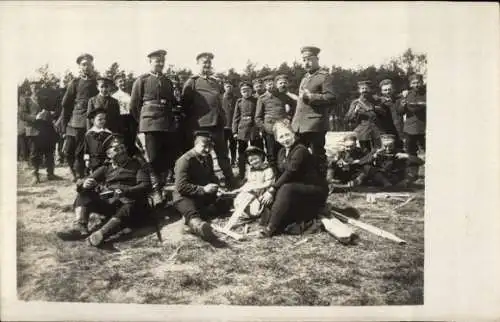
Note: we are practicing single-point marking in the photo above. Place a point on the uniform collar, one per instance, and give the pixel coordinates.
(313, 72)
(156, 74)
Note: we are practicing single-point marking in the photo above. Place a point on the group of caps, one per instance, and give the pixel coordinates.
(387, 81)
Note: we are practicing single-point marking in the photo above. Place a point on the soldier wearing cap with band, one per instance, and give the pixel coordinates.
(73, 118)
(228, 105)
(196, 185)
(152, 105)
(275, 104)
(363, 115)
(389, 101)
(202, 101)
(104, 101)
(315, 100)
(258, 87)
(117, 190)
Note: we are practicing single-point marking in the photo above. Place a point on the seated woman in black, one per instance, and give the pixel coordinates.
(300, 191)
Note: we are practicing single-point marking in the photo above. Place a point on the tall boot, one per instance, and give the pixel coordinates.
(111, 227)
(80, 226)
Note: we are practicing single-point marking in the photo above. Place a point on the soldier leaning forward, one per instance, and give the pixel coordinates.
(40, 132)
(152, 105)
(346, 167)
(387, 167)
(74, 113)
(117, 190)
(244, 128)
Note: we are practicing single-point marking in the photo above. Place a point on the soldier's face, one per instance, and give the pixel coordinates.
(116, 151)
(246, 92)
(255, 160)
(258, 88)
(269, 86)
(310, 62)
(282, 85)
(203, 146)
(120, 83)
(86, 66)
(228, 88)
(364, 89)
(349, 145)
(157, 63)
(415, 84)
(285, 137)
(388, 146)
(100, 120)
(387, 90)
(205, 65)
(103, 88)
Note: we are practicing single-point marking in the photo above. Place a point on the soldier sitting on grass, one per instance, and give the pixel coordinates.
(346, 168)
(121, 195)
(387, 167)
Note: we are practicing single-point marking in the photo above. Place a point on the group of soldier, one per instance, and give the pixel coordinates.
(161, 119)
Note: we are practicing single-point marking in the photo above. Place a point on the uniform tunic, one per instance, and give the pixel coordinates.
(43, 130)
(313, 112)
(362, 114)
(93, 146)
(112, 108)
(152, 103)
(228, 105)
(415, 110)
(202, 99)
(75, 103)
(270, 108)
(243, 123)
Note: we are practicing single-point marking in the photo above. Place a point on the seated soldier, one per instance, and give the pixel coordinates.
(121, 197)
(388, 167)
(346, 167)
(93, 151)
(196, 186)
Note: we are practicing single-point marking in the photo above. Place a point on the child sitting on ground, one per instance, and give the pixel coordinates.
(259, 177)
(94, 154)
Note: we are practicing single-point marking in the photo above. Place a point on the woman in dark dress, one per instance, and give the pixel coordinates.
(300, 191)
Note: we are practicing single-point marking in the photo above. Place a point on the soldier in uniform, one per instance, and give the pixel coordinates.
(117, 190)
(258, 87)
(387, 167)
(390, 102)
(39, 131)
(152, 105)
(346, 166)
(275, 104)
(414, 108)
(104, 101)
(202, 101)
(228, 102)
(362, 113)
(243, 125)
(316, 98)
(129, 125)
(74, 113)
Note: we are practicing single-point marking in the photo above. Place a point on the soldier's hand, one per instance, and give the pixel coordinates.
(87, 164)
(89, 183)
(211, 188)
(235, 135)
(401, 155)
(118, 193)
(355, 162)
(404, 93)
(287, 108)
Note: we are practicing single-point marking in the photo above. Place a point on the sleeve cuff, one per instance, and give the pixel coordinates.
(86, 157)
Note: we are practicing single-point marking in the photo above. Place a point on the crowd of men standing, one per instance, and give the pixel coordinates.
(158, 119)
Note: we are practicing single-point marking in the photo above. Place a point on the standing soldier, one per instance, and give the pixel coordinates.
(202, 101)
(243, 125)
(228, 102)
(258, 87)
(362, 113)
(414, 108)
(73, 118)
(104, 101)
(390, 102)
(272, 106)
(316, 98)
(39, 131)
(151, 104)
(129, 125)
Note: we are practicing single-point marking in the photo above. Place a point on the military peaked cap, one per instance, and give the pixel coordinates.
(268, 78)
(312, 50)
(281, 76)
(387, 137)
(157, 53)
(205, 54)
(105, 80)
(257, 81)
(245, 83)
(202, 133)
(365, 82)
(115, 138)
(386, 81)
(84, 57)
(415, 76)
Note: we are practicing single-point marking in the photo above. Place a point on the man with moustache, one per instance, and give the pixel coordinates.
(315, 100)
(152, 105)
(73, 118)
(273, 105)
(202, 101)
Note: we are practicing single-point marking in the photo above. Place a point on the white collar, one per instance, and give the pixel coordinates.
(96, 130)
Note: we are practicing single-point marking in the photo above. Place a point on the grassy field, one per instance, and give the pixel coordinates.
(186, 270)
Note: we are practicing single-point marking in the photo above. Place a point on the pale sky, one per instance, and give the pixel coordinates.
(349, 34)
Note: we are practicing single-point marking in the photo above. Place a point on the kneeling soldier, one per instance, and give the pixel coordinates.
(387, 167)
(121, 196)
(346, 166)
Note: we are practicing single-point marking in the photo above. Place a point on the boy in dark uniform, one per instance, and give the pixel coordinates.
(346, 166)
(94, 153)
(39, 131)
(73, 118)
(387, 167)
(243, 125)
(152, 105)
(104, 101)
(117, 190)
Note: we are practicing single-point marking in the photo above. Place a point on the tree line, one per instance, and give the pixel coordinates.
(397, 69)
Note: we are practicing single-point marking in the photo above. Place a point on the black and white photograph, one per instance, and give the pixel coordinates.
(222, 153)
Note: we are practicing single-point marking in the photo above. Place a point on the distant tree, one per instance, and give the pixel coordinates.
(67, 78)
(47, 78)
